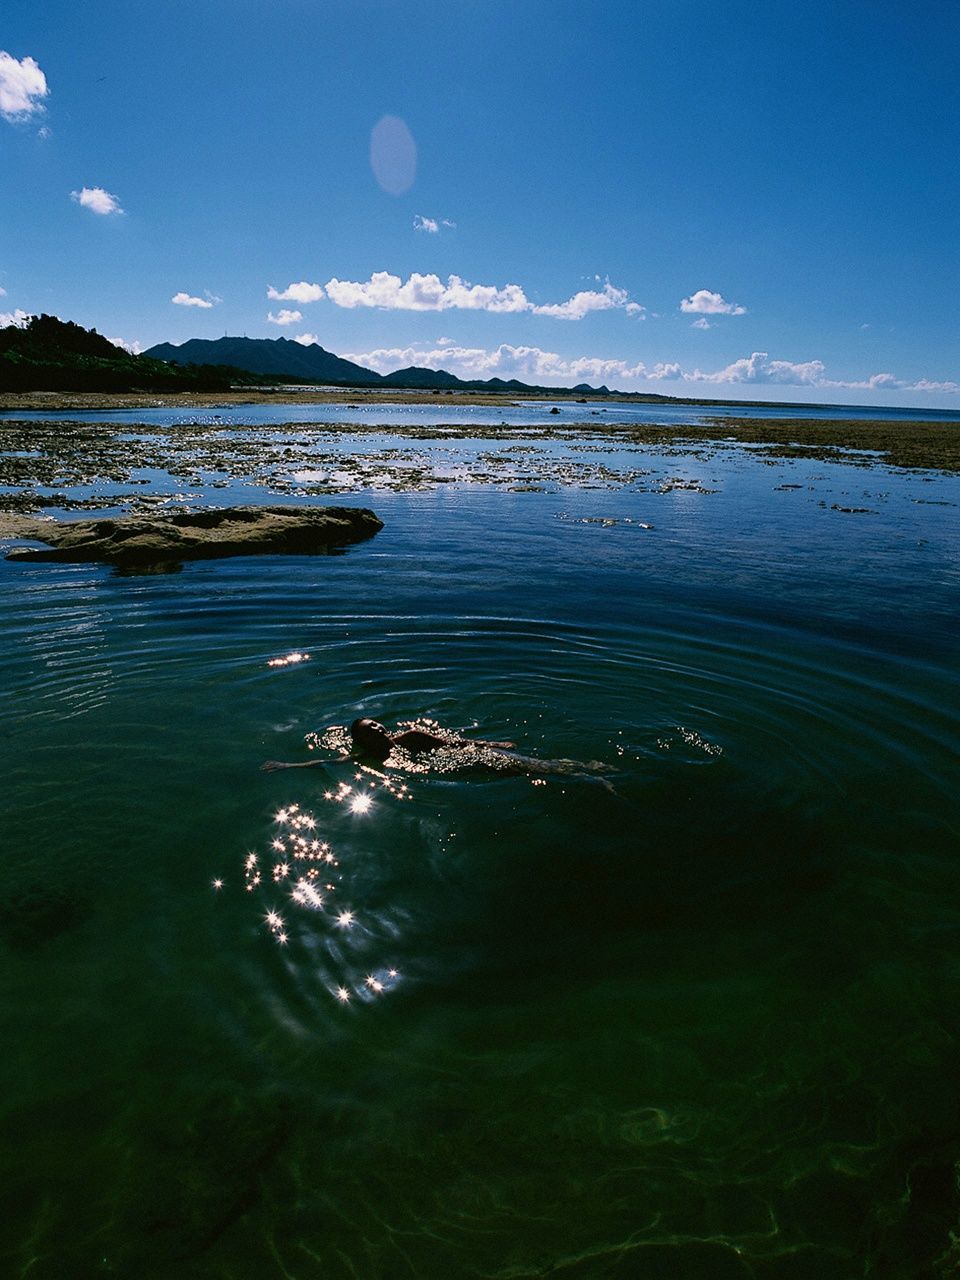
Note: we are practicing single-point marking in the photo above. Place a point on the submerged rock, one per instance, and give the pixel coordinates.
(146, 541)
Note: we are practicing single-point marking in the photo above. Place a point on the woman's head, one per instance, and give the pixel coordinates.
(370, 737)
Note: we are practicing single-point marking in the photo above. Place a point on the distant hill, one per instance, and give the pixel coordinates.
(424, 379)
(277, 357)
(49, 354)
(283, 358)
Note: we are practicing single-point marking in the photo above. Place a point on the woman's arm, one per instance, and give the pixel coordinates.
(270, 766)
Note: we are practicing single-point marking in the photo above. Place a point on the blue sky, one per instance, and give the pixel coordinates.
(688, 197)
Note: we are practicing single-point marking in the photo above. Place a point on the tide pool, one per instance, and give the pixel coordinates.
(702, 1022)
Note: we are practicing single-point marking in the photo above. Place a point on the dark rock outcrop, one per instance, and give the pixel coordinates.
(146, 541)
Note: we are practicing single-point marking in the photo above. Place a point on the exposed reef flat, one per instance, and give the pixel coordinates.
(144, 541)
(117, 465)
(895, 443)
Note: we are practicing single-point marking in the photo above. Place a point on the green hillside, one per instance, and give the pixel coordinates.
(49, 354)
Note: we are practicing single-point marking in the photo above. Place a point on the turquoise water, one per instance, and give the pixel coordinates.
(701, 1022)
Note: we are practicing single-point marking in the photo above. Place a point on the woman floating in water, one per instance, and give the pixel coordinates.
(447, 751)
(371, 739)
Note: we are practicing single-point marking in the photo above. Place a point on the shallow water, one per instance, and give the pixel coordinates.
(522, 413)
(703, 1023)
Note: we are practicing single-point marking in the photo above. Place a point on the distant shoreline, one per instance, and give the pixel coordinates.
(65, 401)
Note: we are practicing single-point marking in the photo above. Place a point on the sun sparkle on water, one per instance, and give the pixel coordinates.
(298, 853)
(289, 659)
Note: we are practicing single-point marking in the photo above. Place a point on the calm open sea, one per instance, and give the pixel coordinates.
(702, 1022)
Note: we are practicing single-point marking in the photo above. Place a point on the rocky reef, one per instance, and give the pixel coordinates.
(157, 541)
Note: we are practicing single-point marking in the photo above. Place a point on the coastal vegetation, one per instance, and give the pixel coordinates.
(46, 353)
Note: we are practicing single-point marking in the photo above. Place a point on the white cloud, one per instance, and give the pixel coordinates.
(505, 361)
(430, 293)
(889, 382)
(924, 384)
(533, 364)
(96, 200)
(22, 84)
(135, 348)
(425, 293)
(299, 292)
(17, 317)
(758, 367)
(285, 317)
(307, 339)
(3, 292)
(703, 302)
(432, 225)
(665, 372)
(575, 308)
(182, 299)
(702, 323)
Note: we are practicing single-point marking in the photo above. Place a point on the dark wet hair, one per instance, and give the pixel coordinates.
(371, 737)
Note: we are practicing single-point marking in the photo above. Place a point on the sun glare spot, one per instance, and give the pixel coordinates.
(360, 804)
(218, 884)
(288, 660)
(306, 895)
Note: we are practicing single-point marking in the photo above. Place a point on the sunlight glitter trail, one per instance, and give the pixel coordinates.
(298, 858)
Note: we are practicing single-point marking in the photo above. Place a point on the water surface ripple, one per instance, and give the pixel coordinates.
(695, 1014)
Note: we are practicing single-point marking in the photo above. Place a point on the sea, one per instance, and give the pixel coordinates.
(687, 1008)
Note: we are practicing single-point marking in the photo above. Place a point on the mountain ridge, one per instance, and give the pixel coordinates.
(283, 357)
(279, 357)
